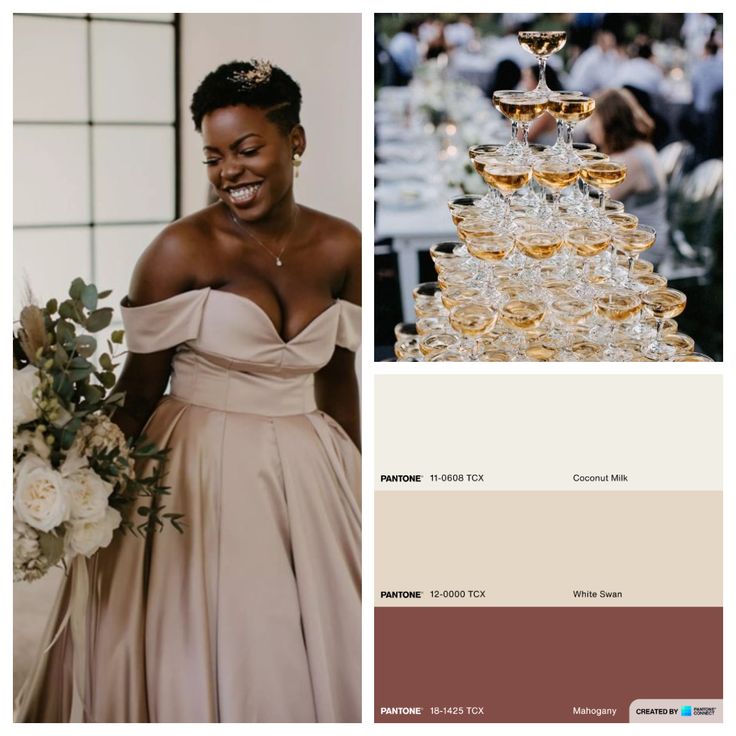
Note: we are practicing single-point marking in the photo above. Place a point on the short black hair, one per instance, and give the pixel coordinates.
(230, 84)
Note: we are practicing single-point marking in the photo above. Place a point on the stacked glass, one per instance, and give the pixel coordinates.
(546, 266)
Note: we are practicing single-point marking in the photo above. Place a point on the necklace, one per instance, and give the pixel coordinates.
(277, 258)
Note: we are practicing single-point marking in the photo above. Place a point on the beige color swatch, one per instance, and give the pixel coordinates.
(536, 548)
(536, 433)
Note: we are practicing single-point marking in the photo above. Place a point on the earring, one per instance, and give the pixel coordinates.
(296, 162)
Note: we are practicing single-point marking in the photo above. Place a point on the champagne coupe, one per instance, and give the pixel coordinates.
(489, 249)
(445, 253)
(568, 311)
(663, 304)
(616, 306)
(542, 44)
(603, 175)
(472, 321)
(682, 344)
(692, 358)
(623, 220)
(464, 206)
(523, 108)
(555, 175)
(430, 345)
(569, 110)
(483, 149)
(507, 178)
(632, 243)
(427, 299)
(522, 315)
(538, 245)
(513, 147)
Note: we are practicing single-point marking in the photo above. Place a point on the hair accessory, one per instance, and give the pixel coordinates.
(296, 162)
(258, 75)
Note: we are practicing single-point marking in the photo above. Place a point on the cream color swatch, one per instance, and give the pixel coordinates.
(537, 548)
(536, 433)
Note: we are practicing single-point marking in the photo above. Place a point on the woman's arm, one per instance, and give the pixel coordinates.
(336, 385)
(163, 270)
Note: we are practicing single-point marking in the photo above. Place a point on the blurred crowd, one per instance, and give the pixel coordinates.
(677, 78)
(658, 84)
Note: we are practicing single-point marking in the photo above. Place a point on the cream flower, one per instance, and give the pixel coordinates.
(24, 407)
(40, 497)
(86, 537)
(88, 494)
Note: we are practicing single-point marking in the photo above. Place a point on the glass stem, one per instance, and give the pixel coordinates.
(514, 131)
(542, 74)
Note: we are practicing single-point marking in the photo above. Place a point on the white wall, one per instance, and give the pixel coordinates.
(322, 53)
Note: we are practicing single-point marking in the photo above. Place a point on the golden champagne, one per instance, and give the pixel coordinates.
(555, 175)
(665, 303)
(572, 311)
(617, 305)
(455, 295)
(570, 109)
(490, 248)
(476, 228)
(632, 242)
(437, 343)
(506, 176)
(473, 319)
(592, 156)
(624, 220)
(692, 358)
(586, 351)
(683, 344)
(447, 356)
(538, 244)
(522, 109)
(431, 325)
(587, 242)
(603, 174)
(542, 43)
(522, 314)
(649, 281)
(541, 353)
(494, 356)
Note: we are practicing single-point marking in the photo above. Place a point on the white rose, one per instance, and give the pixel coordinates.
(24, 407)
(86, 537)
(40, 497)
(28, 561)
(88, 494)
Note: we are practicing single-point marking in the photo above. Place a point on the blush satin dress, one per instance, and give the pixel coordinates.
(253, 613)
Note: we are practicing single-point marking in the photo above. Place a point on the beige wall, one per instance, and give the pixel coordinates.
(322, 53)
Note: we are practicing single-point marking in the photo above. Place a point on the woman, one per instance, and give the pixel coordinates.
(621, 128)
(249, 306)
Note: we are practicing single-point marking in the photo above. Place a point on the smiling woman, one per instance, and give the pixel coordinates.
(250, 308)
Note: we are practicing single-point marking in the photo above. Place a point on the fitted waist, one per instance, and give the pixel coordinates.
(219, 383)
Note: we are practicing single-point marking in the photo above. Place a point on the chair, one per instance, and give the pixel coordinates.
(697, 223)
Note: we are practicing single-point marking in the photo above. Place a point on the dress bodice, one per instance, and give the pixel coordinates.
(229, 355)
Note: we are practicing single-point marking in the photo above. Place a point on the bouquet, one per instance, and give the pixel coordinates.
(74, 478)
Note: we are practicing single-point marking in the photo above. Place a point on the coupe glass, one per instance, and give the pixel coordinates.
(616, 306)
(663, 304)
(542, 44)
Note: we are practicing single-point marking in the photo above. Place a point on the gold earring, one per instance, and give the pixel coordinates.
(296, 162)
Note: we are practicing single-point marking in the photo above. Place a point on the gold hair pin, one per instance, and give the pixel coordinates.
(259, 74)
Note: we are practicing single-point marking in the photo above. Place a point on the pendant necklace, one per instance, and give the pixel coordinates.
(277, 258)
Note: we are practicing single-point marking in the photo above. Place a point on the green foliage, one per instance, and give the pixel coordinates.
(73, 388)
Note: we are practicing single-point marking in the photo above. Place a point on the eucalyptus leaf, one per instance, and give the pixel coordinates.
(104, 294)
(89, 296)
(51, 306)
(86, 345)
(117, 336)
(76, 288)
(106, 378)
(106, 362)
(66, 309)
(52, 546)
(93, 394)
(99, 319)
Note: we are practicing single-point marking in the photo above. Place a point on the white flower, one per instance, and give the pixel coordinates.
(88, 494)
(28, 561)
(86, 537)
(24, 407)
(40, 497)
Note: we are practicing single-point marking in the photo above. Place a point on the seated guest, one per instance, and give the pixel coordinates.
(621, 128)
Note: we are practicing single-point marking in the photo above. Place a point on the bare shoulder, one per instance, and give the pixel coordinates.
(340, 241)
(340, 237)
(173, 261)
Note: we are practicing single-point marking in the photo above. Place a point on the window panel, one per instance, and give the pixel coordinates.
(50, 69)
(132, 72)
(134, 173)
(51, 174)
(117, 250)
(48, 260)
